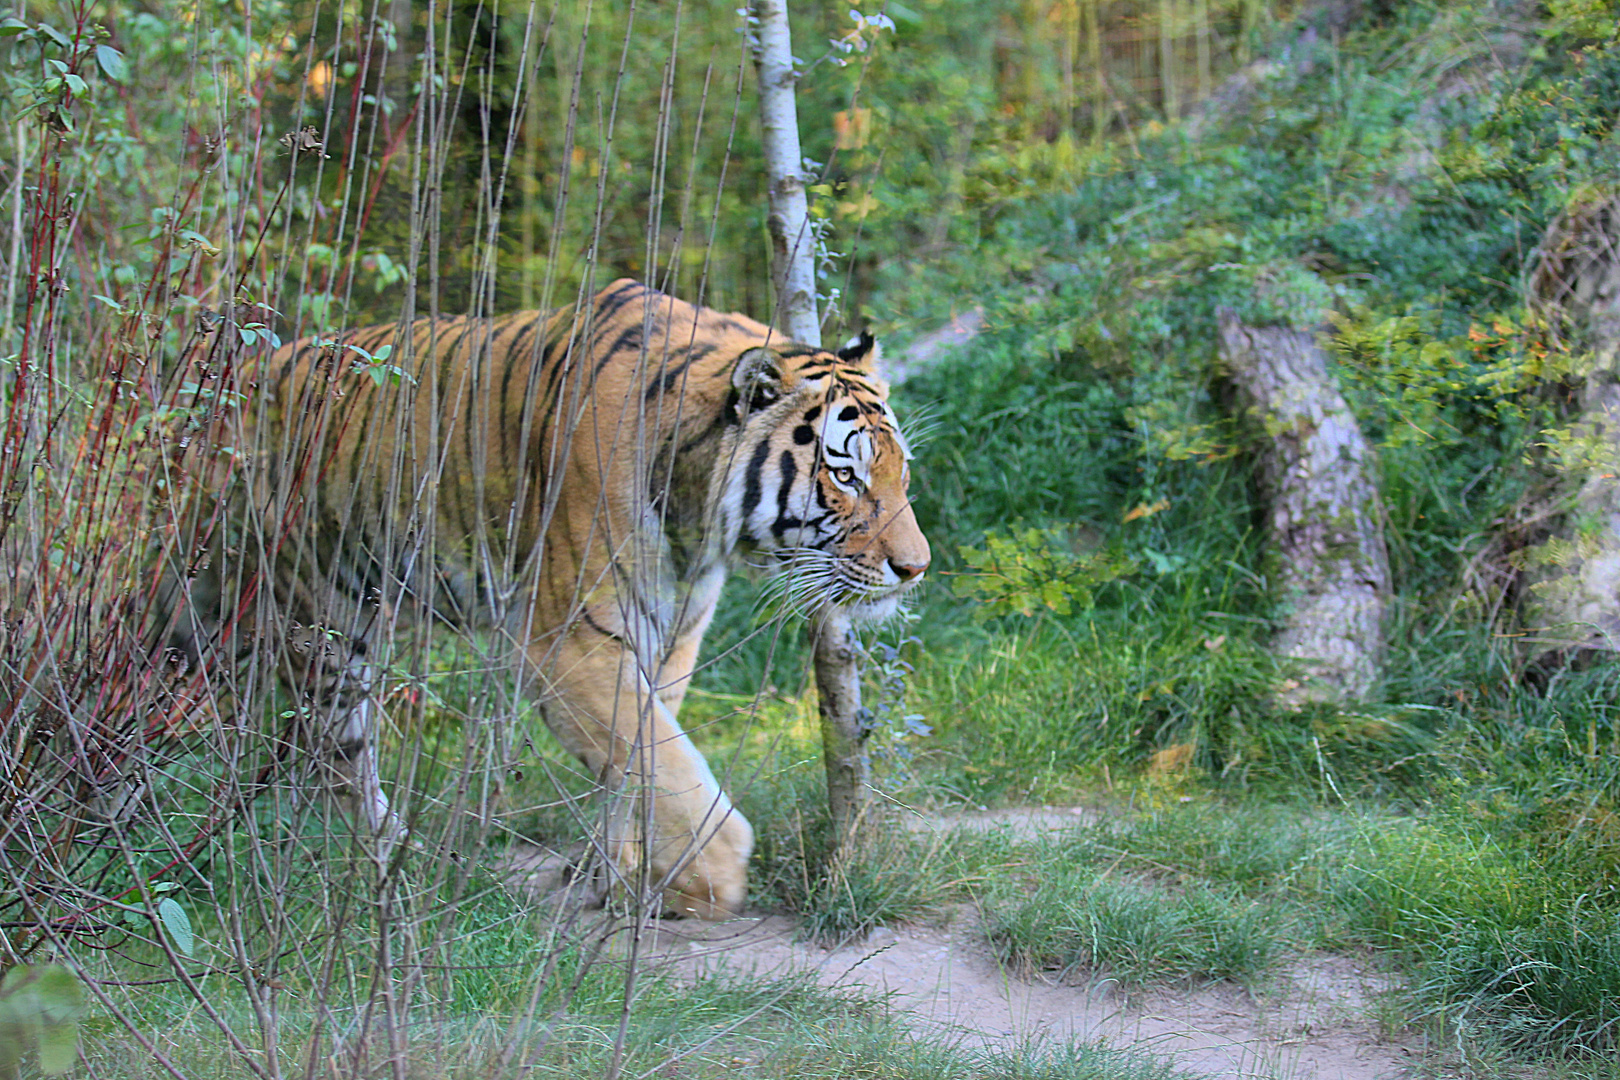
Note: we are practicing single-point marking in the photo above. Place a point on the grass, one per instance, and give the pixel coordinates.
(508, 1009)
(891, 875)
(1147, 898)
(1476, 858)
(1495, 947)
(1090, 924)
(1499, 948)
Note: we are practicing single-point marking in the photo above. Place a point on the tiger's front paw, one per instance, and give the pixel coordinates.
(713, 883)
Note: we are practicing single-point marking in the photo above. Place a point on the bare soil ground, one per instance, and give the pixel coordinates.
(1316, 1019)
(1312, 1022)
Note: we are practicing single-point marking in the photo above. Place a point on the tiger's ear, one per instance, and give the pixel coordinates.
(757, 379)
(865, 355)
(861, 352)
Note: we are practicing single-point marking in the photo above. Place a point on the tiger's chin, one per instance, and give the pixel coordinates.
(874, 611)
(880, 607)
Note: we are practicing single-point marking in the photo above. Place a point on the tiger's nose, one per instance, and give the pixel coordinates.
(907, 572)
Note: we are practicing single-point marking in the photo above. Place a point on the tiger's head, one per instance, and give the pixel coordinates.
(816, 490)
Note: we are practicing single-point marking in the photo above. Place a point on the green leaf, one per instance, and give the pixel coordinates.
(109, 301)
(176, 923)
(11, 26)
(58, 1048)
(383, 353)
(76, 86)
(111, 62)
(194, 239)
(249, 337)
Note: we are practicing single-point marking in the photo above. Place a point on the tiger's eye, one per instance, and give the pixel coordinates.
(845, 476)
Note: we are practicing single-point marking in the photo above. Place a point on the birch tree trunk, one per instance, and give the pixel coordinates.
(1573, 603)
(793, 270)
(838, 673)
(1327, 557)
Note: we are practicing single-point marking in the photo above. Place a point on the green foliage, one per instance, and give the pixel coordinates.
(1343, 195)
(1089, 922)
(176, 925)
(1016, 572)
(1592, 19)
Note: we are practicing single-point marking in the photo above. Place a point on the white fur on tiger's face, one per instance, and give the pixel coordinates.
(583, 480)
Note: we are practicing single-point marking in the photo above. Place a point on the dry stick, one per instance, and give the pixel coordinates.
(838, 675)
(1168, 98)
(645, 899)
(15, 257)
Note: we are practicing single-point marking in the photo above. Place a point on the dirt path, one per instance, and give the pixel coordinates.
(1311, 1023)
(1314, 1020)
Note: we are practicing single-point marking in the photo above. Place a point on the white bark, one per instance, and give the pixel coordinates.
(793, 270)
(838, 673)
(1574, 601)
(1327, 557)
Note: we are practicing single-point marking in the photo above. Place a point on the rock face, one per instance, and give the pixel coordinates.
(1328, 566)
(1573, 602)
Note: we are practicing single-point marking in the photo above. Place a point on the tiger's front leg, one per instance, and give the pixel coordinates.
(338, 727)
(606, 711)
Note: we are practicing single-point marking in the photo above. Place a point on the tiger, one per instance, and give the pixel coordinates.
(596, 474)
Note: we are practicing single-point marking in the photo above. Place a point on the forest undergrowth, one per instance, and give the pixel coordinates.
(1100, 631)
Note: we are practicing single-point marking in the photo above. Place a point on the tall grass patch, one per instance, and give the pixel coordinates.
(1087, 921)
(1045, 711)
(1543, 987)
(1281, 851)
(888, 875)
(1504, 947)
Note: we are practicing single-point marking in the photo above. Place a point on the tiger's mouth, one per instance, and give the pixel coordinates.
(876, 603)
